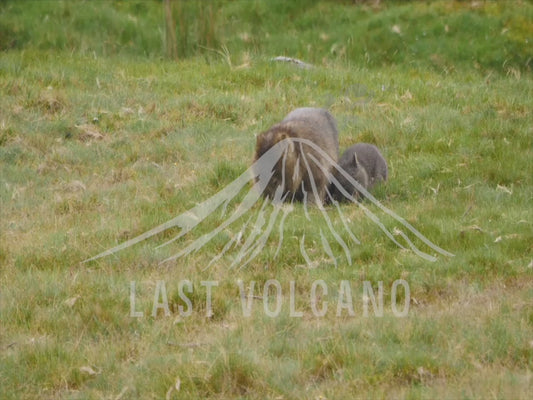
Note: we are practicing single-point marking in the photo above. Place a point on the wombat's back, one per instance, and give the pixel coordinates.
(320, 118)
(317, 125)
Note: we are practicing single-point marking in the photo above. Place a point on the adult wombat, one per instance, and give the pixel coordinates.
(293, 169)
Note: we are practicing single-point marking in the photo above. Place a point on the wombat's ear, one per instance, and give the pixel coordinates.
(355, 160)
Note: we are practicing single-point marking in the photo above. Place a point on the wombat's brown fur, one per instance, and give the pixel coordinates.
(365, 164)
(296, 169)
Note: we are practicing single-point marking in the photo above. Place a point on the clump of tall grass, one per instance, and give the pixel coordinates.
(190, 26)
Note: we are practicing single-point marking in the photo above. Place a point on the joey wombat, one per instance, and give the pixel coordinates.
(365, 164)
(294, 169)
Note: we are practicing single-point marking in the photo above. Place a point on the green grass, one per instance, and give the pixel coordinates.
(102, 138)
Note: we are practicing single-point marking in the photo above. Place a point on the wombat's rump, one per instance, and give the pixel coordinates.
(295, 170)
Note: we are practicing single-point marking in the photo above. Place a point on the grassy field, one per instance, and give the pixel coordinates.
(102, 138)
